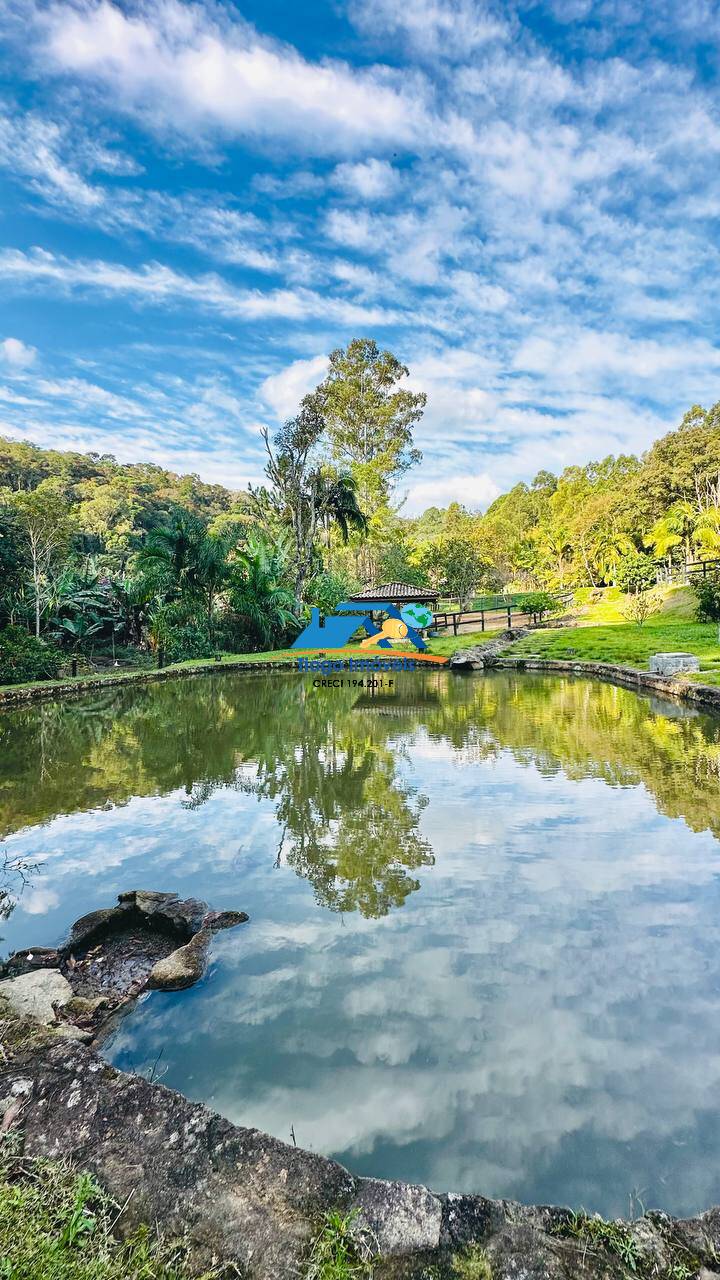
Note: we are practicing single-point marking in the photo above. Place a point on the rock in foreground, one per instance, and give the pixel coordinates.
(111, 955)
(243, 1198)
(38, 994)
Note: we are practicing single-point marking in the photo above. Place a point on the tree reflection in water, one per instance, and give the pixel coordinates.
(333, 761)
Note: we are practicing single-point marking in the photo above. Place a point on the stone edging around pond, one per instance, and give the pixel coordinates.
(481, 657)
(20, 695)
(705, 695)
(241, 1196)
(13, 696)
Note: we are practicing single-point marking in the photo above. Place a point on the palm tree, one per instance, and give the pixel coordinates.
(674, 529)
(707, 533)
(553, 545)
(211, 571)
(183, 559)
(338, 503)
(132, 596)
(258, 594)
(171, 553)
(607, 549)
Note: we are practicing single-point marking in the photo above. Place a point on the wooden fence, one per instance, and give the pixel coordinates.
(686, 572)
(506, 614)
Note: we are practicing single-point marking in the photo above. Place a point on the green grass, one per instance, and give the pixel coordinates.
(627, 644)
(340, 1251)
(472, 1264)
(598, 1235)
(57, 1224)
(593, 607)
(446, 645)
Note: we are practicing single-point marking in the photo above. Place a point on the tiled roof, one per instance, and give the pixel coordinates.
(395, 591)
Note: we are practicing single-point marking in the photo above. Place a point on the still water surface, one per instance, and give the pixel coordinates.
(483, 948)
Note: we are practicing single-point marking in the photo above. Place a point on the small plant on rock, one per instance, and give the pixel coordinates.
(596, 1234)
(341, 1251)
(472, 1264)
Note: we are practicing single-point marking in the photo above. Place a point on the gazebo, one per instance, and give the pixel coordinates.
(399, 593)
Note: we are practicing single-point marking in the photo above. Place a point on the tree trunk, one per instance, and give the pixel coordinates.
(36, 586)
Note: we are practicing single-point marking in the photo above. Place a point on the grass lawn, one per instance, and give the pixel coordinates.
(446, 645)
(627, 644)
(600, 607)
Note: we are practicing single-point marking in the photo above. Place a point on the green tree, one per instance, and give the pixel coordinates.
(187, 562)
(674, 529)
(370, 418)
(685, 464)
(294, 469)
(305, 494)
(12, 563)
(707, 594)
(636, 572)
(338, 503)
(453, 564)
(46, 527)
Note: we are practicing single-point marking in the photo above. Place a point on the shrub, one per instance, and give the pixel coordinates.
(327, 589)
(537, 603)
(188, 640)
(707, 594)
(640, 606)
(23, 658)
(636, 572)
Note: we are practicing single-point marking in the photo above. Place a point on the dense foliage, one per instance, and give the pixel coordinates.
(23, 658)
(611, 522)
(707, 592)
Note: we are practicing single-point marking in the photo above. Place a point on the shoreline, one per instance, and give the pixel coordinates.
(704, 695)
(240, 1196)
(628, 677)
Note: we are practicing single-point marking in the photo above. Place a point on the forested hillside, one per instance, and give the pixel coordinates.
(603, 523)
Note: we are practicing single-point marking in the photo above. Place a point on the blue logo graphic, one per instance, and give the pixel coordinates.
(336, 630)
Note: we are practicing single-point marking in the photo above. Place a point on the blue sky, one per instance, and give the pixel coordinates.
(199, 201)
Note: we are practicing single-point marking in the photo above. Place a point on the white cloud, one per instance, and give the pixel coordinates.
(473, 491)
(370, 180)
(196, 425)
(539, 250)
(186, 71)
(438, 28)
(161, 285)
(351, 229)
(86, 395)
(415, 243)
(283, 391)
(592, 355)
(17, 354)
(39, 900)
(56, 160)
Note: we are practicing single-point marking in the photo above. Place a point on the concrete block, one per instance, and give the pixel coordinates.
(669, 664)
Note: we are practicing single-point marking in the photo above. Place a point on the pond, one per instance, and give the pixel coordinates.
(483, 945)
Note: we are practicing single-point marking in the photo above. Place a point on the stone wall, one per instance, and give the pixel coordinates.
(246, 1198)
(20, 695)
(671, 686)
